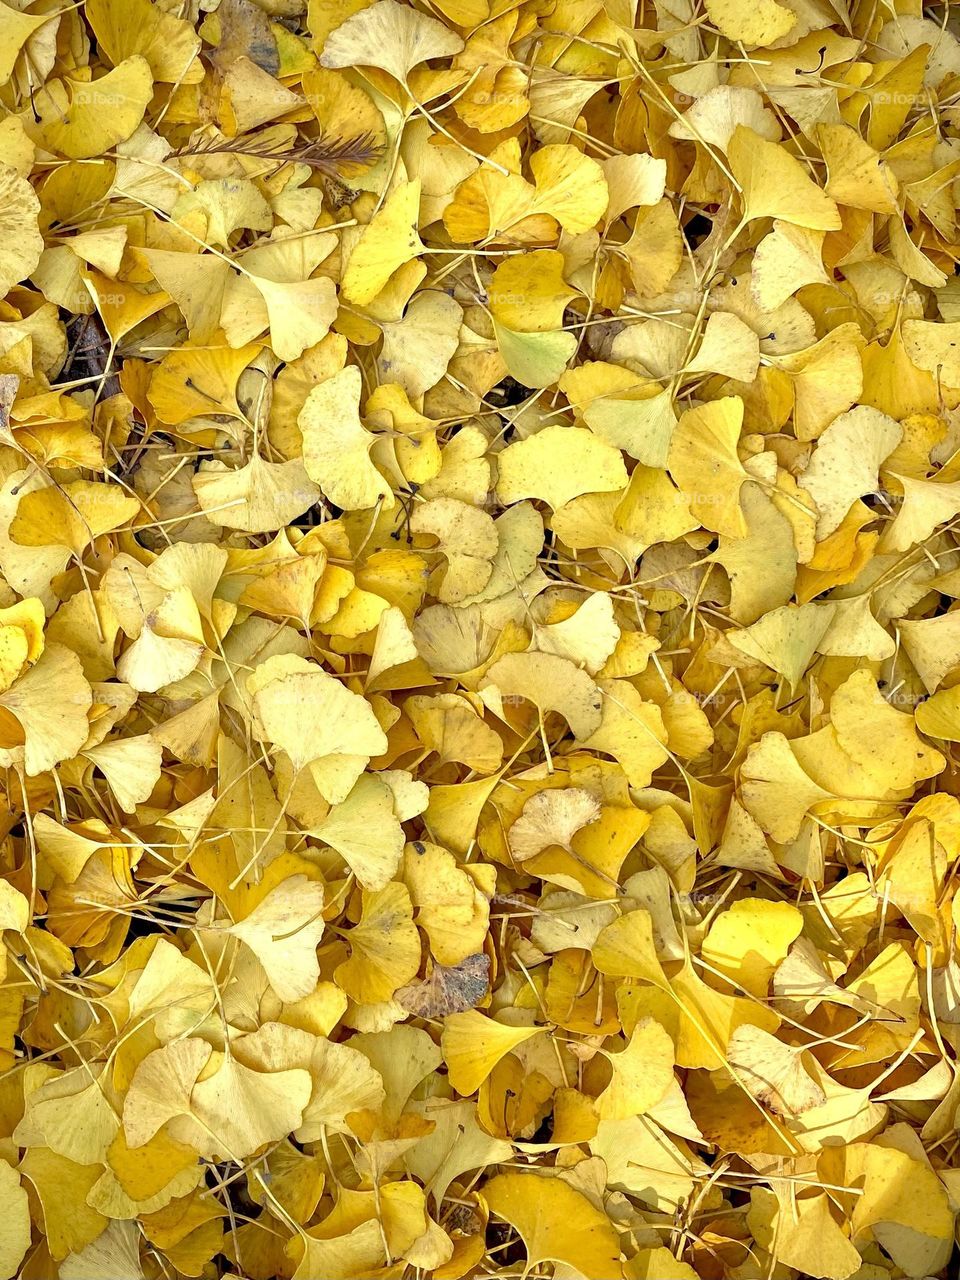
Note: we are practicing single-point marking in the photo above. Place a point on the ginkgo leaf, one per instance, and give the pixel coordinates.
(389, 240)
(277, 291)
(467, 538)
(555, 1222)
(786, 260)
(21, 239)
(390, 36)
(642, 1073)
(131, 767)
(551, 818)
(550, 683)
(168, 43)
(17, 29)
(15, 1234)
(747, 942)
(364, 830)
(713, 116)
(630, 729)
(558, 464)
(787, 638)
(845, 462)
(343, 1082)
(535, 359)
(703, 460)
(473, 1044)
(773, 1072)
(257, 498)
(761, 24)
(80, 118)
(775, 184)
(449, 989)
(811, 1233)
(338, 735)
(336, 446)
(233, 1109)
(73, 516)
(456, 1144)
(626, 948)
(284, 931)
(528, 293)
(451, 907)
(46, 712)
(192, 380)
(385, 947)
(417, 350)
(14, 908)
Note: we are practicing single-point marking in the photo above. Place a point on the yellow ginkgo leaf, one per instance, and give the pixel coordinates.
(939, 716)
(468, 540)
(905, 1207)
(388, 241)
(390, 36)
(384, 947)
(450, 907)
(365, 831)
(845, 463)
(626, 949)
(657, 1263)
(15, 1232)
(20, 240)
(131, 767)
(277, 291)
(786, 639)
(808, 1234)
(754, 24)
(775, 184)
(551, 818)
(258, 497)
(283, 931)
(550, 683)
(786, 260)
(642, 1073)
(558, 464)
(192, 381)
(45, 712)
(310, 715)
(748, 941)
(473, 1044)
(879, 736)
(336, 446)
(570, 186)
(556, 1222)
(417, 350)
(82, 117)
(168, 43)
(773, 1072)
(630, 729)
(856, 176)
(16, 29)
(232, 1109)
(528, 293)
(72, 515)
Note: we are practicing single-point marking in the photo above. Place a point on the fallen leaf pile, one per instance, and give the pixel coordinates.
(479, 639)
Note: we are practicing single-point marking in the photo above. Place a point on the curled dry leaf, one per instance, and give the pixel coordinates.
(450, 989)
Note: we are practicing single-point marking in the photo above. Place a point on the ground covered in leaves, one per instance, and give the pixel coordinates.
(479, 645)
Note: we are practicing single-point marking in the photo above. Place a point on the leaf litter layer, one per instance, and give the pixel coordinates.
(479, 656)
